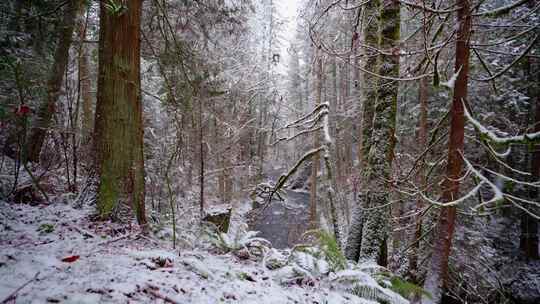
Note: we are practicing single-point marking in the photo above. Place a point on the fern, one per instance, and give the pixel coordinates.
(329, 248)
(369, 293)
(46, 228)
(116, 9)
(314, 265)
(239, 239)
(407, 289)
(363, 285)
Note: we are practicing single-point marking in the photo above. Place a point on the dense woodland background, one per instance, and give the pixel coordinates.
(414, 125)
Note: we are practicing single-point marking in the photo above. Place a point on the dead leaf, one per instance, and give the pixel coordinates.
(70, 259)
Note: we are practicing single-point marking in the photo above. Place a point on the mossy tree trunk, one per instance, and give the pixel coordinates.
(313, 214)
(118, 121)
(378, 172)
(371, 225)
(354, 238)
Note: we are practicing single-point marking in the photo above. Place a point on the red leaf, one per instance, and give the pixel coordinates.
(70, 259)
(22, 110)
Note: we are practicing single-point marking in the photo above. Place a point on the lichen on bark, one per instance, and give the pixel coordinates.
(373, 212)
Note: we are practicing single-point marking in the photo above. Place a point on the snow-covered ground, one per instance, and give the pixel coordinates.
(58, 255)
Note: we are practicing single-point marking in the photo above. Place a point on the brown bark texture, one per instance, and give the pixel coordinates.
(47, 108)
(444, 231)
(118, 121)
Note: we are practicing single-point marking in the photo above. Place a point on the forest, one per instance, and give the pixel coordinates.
(270, 151)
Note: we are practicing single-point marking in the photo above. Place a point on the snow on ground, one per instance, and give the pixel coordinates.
(110, 263)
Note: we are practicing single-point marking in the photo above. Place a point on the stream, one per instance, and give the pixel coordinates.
(284, 222)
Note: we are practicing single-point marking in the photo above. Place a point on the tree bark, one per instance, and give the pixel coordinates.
(378, 139)
(420, 181)
(529, 225)
(378, 172)
(316, 142)
(118, 121)
(438, 269)
(85, 81)
(354, 238)
(201, 159)
(47, 108)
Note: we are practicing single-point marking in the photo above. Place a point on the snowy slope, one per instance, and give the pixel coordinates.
(117, 264)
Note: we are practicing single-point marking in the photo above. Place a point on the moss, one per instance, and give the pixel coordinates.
(46, 228)
(380, 145)
(118, 125)
(107, 195)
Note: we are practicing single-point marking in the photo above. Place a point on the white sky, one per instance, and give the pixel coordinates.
(287, 9)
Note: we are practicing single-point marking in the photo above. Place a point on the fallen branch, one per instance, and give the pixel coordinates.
(150, 290)
(13, 295)
(115, 239)
(82, 231)
(285, 177)
(144, 237)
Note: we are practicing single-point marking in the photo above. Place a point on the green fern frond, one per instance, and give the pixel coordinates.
(369, 293)
(329, 248)
(239, 239)
(377, 294)
(116, 9)
(407, 289)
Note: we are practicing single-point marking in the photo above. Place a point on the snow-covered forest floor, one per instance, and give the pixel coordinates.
(56, 253)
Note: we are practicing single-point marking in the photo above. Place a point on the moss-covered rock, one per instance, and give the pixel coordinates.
(220, 218)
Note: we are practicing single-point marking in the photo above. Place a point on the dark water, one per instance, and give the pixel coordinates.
(283, 223)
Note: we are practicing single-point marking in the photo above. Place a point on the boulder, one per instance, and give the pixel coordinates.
(219, 217)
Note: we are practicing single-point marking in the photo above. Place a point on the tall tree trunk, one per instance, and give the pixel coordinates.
(378, 171)
(338, 121)
(420, 181)
(345, 121)
(529, 225)
(201, 159)
(444, 231)
(354, 238)
(47, 108)
(85, 81)
(118, 122)
(316, 159)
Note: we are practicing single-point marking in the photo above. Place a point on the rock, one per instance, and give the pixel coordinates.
(221, 218)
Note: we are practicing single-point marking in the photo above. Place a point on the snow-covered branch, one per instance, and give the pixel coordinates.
(491, 137)
(501, 10)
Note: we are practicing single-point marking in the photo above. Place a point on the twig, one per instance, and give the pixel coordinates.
(144, 237)
(82, 232)
(13, 295)
(115, 239)
(150, 290)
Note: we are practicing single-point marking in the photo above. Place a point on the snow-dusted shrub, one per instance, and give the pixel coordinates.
(364, 285)
(314, 262)
(329, 248)
(275, 259)
(240, 239)
(324, 261)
